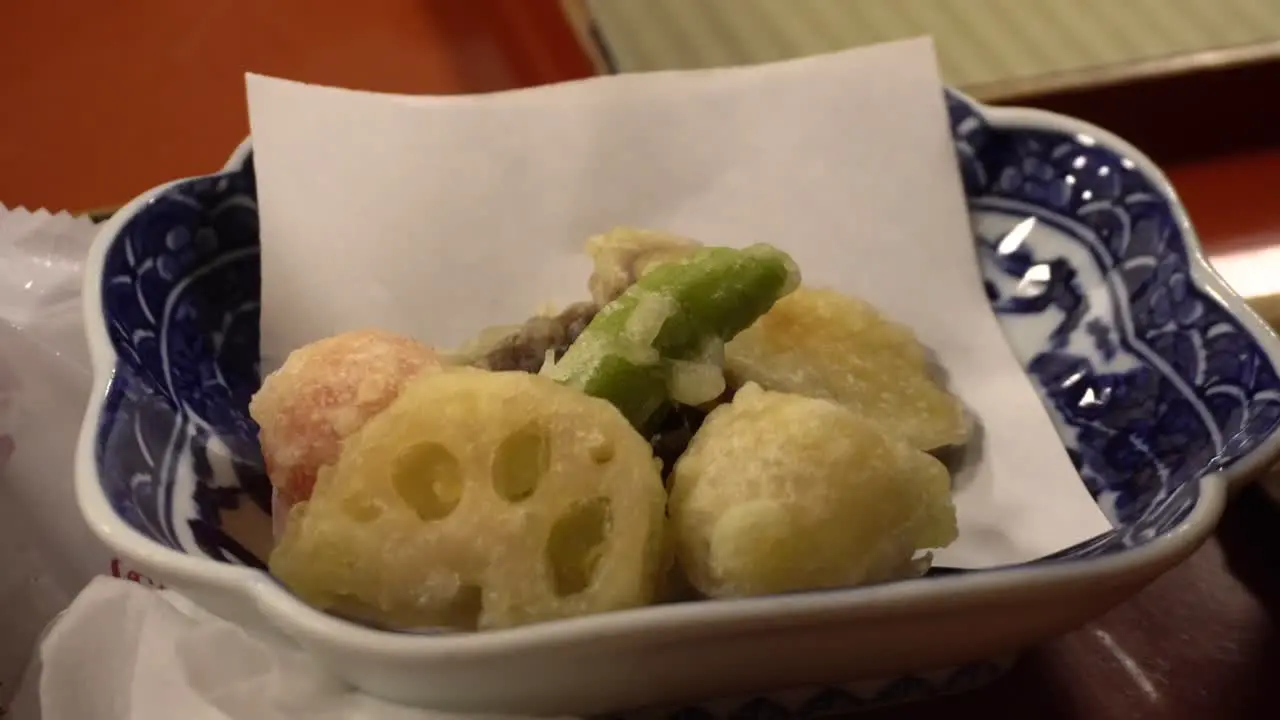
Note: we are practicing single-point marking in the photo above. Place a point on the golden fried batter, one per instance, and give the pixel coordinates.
(820, 343)
(481, 500)
(779, 492)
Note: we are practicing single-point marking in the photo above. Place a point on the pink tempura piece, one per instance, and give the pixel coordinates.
(322, 394)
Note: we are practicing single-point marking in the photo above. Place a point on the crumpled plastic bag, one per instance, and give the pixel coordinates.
(48, 552)
(124, 651)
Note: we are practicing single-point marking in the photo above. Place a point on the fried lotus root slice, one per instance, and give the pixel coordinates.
(622, 255)
(780, 493)
(820, 343)
(481, 500)
(324, 392)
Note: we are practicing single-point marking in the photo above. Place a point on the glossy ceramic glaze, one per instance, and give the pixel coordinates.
(1161, 382)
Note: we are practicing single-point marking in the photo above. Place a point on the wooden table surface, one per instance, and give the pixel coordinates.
(101, 102)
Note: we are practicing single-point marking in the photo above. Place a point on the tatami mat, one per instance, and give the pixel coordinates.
(981, 43)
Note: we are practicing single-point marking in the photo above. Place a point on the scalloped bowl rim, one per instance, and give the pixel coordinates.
(290, 615)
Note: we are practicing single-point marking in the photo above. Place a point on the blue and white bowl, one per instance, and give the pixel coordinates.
(1162, 383)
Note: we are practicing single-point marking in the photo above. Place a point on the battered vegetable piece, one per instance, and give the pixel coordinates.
(636, 351)
(324, 392)
(481, 500)
(780, 493)
(822, 344)
(623, 254)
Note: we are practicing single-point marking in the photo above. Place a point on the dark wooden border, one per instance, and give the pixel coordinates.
(1180, 117)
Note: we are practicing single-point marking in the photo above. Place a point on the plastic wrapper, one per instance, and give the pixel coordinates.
(49, 553)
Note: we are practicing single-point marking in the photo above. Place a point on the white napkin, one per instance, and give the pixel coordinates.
(438, 216)
(126, 652)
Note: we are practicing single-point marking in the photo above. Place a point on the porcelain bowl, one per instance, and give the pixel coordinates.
(1161, 382)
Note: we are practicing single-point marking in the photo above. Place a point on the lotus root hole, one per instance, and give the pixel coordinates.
(522, 459)
(576, 544)
(429, 479)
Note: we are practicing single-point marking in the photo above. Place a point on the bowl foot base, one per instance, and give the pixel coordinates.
(835, 700)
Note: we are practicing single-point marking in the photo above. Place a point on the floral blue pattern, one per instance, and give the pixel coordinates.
(1150, 381)
(180, 301)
